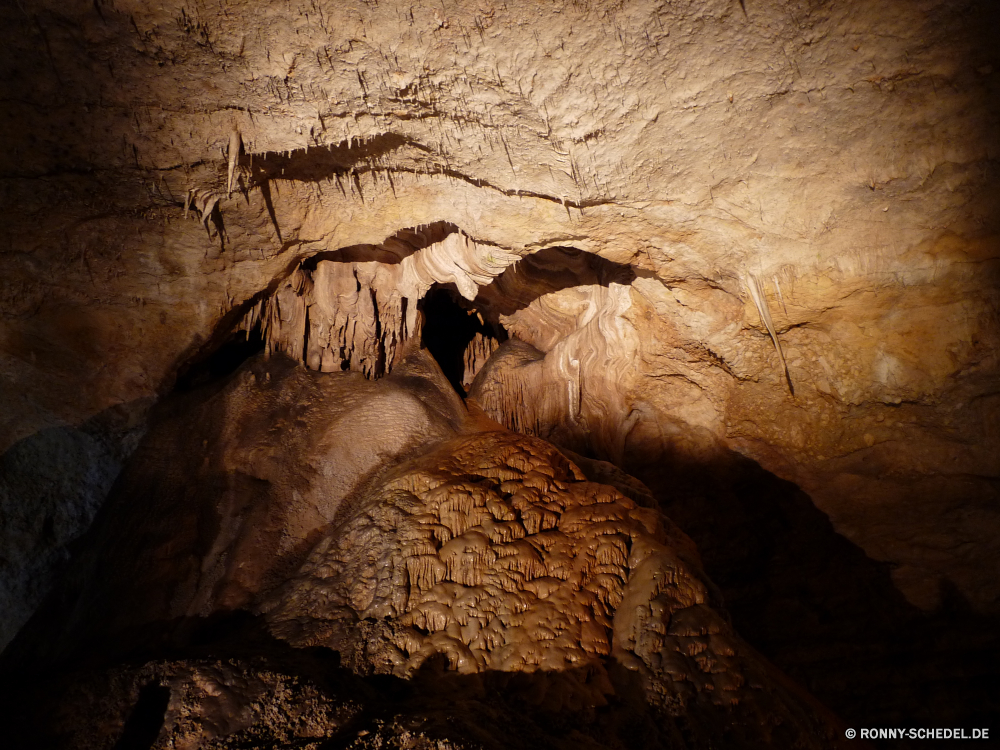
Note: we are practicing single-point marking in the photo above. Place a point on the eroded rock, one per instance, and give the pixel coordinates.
(406, 535)
(170, 167)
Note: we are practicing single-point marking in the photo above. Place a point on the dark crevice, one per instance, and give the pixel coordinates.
(146, 720)
(402, 244)
(323, 162)
(547, 271)
(449, 327)
(221, 361)
(349, 159)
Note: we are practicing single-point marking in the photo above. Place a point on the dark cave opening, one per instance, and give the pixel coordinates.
(222, 361)
(448, 330)
(144, 723)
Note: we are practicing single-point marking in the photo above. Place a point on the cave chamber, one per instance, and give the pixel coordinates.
(498, 375)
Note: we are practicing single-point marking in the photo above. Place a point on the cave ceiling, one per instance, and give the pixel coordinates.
(676, 234)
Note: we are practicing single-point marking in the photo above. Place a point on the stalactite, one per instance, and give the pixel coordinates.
(479, 350)
(760, 301)
(337, 316)
(235, 143)
(358, 315)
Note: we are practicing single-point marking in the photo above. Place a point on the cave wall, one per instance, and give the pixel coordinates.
(829, 166)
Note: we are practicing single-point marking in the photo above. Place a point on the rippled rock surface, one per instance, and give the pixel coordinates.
(296, 557)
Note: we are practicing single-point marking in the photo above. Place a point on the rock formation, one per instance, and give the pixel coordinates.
(735, 261)
(444, 537)
(354, 315)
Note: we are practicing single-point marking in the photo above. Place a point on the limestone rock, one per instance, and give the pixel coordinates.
(691, 234)
(449, 537)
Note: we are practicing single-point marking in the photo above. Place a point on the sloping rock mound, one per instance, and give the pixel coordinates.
(296, 557)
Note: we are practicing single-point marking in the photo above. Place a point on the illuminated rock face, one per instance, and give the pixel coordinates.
(356, 315)
(674, 236)
(449, 543)
(495, 551)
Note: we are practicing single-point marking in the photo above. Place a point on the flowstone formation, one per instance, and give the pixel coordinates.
(445, 549)
(335, 314)
(496, 553)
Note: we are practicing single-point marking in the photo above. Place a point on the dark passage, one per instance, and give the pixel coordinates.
(816, 605)
(236, 350)
(146, 720)
(449, 328)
